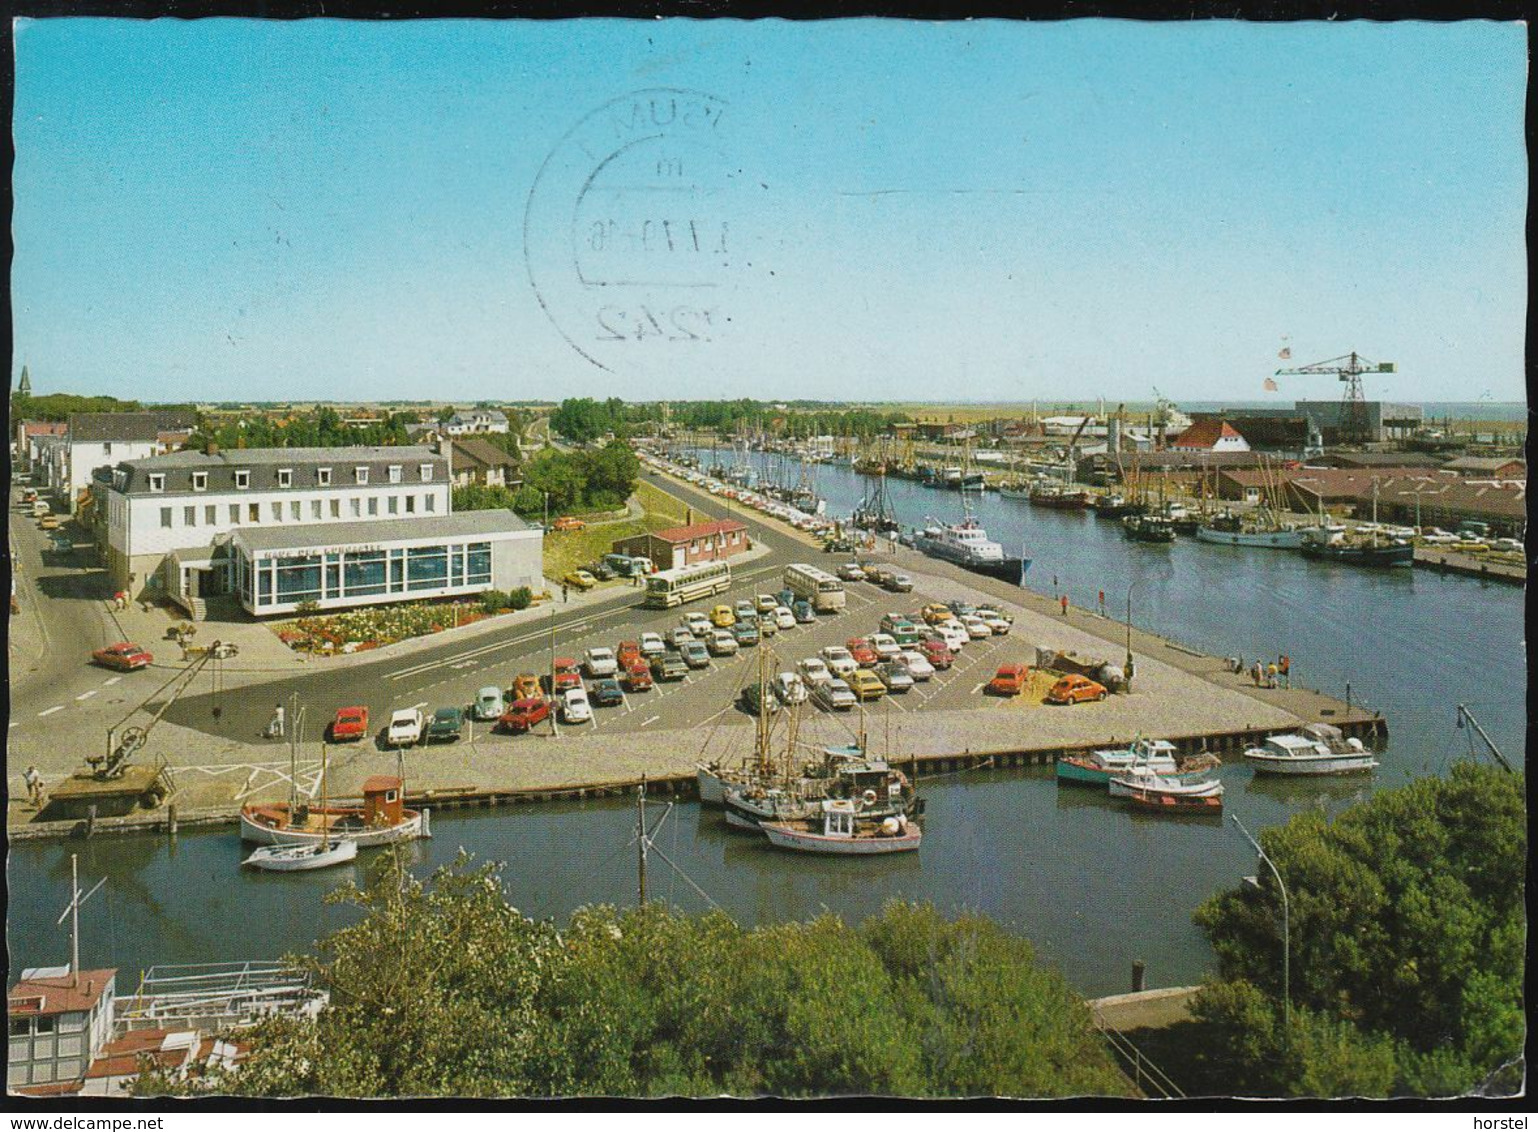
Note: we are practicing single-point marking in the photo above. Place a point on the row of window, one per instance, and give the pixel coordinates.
(157, 480)
(296, 510)
(322, 577)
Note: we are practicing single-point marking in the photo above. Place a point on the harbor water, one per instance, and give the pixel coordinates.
(1093, 885)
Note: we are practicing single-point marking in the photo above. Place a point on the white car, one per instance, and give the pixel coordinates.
(815, 672)
(838, 660)
(405, 728)
(601, 662)
(952, 633)
(652, 644)
(1437, 537)
(885, 645)
(766, 603)
(916, 664)
(976, 628)
(575, 708)
(721, 643)
(784, 618)
(489, 703)
(834, 696)
(790, 688)
(698, 624)
(851, 572)
(997, 623)
(1511, 544)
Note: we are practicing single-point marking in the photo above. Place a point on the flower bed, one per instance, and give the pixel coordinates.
(380, 625)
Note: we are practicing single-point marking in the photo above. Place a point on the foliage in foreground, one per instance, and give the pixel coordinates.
(1408, 932)
(443, 989)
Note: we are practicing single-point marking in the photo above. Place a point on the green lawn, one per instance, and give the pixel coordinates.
(571, 550)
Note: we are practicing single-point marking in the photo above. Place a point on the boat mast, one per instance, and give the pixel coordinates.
(1465, 713)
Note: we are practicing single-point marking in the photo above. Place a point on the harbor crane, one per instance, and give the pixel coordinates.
(1349, 368)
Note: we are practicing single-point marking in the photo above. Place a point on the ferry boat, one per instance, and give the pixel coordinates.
(1318, 748)
(1098, 767)
(840, 828)
(967, 545)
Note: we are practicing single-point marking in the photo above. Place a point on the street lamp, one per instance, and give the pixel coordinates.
(1128, 668)
(1286, 929)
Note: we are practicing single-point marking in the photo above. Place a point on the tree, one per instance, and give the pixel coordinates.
(1407, 926)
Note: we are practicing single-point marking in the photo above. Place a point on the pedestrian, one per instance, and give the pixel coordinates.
(564, 595)
(1255, 673)
(34, 783)
(275, 728)
(1102, 603)
(1063, 601)
(1271, 671)
(1284, 665)
(1239, 664)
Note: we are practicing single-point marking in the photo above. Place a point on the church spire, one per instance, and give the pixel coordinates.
(25, 388)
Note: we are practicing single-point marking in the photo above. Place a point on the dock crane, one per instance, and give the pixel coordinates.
(1073, 444)
(1349, 368)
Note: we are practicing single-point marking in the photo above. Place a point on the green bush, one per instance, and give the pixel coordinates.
(521, 598)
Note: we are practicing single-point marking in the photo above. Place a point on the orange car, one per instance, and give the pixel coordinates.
(567, 523)
(350, 723)
(1075, 689)
(123, 656)
(628, 655)
(1009, 680)
(527, 687)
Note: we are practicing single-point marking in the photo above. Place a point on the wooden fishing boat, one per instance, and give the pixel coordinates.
(839, 829)
(1059, 497)
(1139, 779)
(1175, 805)
(1098, 767)
(381, 819)
(299, 858)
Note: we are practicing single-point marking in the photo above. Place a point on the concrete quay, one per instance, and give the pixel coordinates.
(1470, 565)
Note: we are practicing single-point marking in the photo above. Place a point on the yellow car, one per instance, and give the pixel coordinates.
(934, 614)
(48, 523)
(581, 579)
(722, 617)
(865, 684)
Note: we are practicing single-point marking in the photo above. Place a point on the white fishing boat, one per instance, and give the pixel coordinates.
(298, 858)
(1139, 779)
(1319, 748)
(840, 829)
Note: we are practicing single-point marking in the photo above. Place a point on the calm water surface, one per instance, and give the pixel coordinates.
(1091, 884)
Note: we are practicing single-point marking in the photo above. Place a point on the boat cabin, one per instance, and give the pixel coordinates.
(383, 800)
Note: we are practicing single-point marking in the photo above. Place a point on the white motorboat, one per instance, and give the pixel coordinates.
(1319, 748)
(298, 858)
(1139, 779)
(839, 829)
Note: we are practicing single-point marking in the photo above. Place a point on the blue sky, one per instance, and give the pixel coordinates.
(230, 209)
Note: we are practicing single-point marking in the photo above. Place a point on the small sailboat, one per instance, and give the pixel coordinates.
(297, 858)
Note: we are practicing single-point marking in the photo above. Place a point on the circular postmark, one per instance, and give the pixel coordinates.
(628, 233)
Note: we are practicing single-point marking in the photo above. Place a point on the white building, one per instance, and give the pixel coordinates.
(58, 1022)
(476, 420)
(191, 525)
(99, 440)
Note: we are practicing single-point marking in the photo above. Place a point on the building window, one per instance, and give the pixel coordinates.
(277, 512)
(479, 563)
(395, 505)
(165, 516)
(211, 511)
(106, 448)
(356, 507)
(427, 473)
(315, 509)
(360, 475)
(298, 579)
(285, 477)
(21, 1027)
(234, 512)
(429, 503)
(411, 505)
(395, 473)
(323, 476)
(336, 508)
(293, 509)
(373, 505)
(428, 568)
(242, 479)
(189, 516)
(363, 572)
(255, 513)
(157, 483)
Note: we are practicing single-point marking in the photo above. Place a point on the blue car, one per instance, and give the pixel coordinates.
(605, 692)
(803, 613)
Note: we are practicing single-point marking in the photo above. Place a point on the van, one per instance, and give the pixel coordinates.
(40, 508)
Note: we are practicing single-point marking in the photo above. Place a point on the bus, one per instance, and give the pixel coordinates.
(821, 589)
(667, 588)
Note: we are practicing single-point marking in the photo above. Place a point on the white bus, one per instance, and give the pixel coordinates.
(667, 588)
(821, 589)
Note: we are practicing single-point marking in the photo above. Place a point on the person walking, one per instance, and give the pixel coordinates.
(1255, 673)
(275, 728)
(564, 595)
(1284, 666)
(1271, 675)
(1064, 602)
(34, 783)
(1102, 603)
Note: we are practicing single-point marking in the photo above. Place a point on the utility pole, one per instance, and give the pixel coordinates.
(1128, 668)
(640, 817)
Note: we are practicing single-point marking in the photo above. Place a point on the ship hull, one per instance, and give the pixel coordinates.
(1381, 557)
(1273, 540)
(1309, 766)
(1006, 569)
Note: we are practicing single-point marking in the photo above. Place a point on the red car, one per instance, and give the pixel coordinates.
(863, 654)
(567, 674)
(350, 723)
(937, 653)
(523, 715)
(628, 655)
(123, 656)
(638, 677)
(1009, 680)
(1075, 689)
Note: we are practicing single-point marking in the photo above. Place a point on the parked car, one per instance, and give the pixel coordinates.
(699, 625)
(783, 617)
(916, 663)
(938, 653)
(834, 696)
(865, 684)
(526, 686)
(879, 575)
(721, 643)
(606, 692)
(896, 678)
(997, 624)
(935, 613)
(652, 644)
(349, 723)
(580, 579)
(524, 714)
(861, 650)
(790, 688)
(638, 677)
(575, 707)
(567, 523)
(906, 634)
(898, 583)
(953, 633)
(489, 703)
(961, 608)
(815, 671)
(123, 657)
(885, 645)
(744, 610)
(758, 697)
(786, 598)
(669, 666)
(1075, 689)
(803, 612)
(628, 653)
(405, 728)
(680, 637)
(1439, 538)
(48, 523)
(567, 675)
(976, 628)
(601, 662)
(839, 660)
(765, 603)
(851, 572)
(1009, 680)
(745, 632)
(695, 655)
(722, 617)
(446, 725)
(767, 625)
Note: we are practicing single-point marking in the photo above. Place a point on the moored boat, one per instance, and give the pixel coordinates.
(381, 819)
(1229, 529)
(301, 858)
(839, 828)
(967, 545)
(1139, 779)
(1177, 805)
(1098, 767)
(1334, 544)
(1318, 748)
(1148, 528)
(1059, 497)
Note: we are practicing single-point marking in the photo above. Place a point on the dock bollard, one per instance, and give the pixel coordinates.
(171, 819)
(90, 821)
(1139, 971)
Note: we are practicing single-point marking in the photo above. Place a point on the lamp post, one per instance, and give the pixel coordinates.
(1128, 667)
(546, 494)
(1286, 931)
